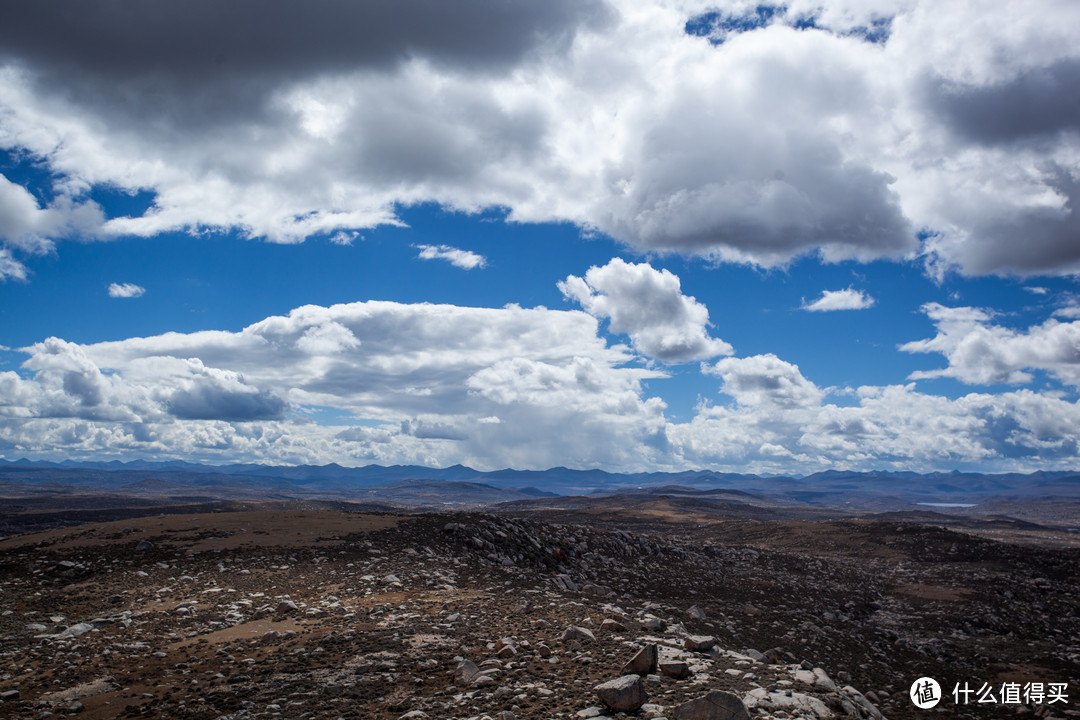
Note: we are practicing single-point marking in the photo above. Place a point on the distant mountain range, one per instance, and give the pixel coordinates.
(417, 485)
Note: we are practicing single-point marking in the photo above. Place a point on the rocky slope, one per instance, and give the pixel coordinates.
(307, 614)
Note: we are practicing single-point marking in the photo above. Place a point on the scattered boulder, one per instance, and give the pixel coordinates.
(76, 630)
(653, 623)
(576, 632)
(717, 705)
(465, 672)
(145, 545)
(623, 694)
(674, 669)
(644, 661)
(697, 613)
(699, 643)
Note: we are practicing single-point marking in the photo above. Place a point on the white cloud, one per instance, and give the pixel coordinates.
(342, 237)
(464, 259)
(436, 384)
(840, 300)
(1037, 290)
(892, 427)
(764, 380)
(10, 268)
(440, 384)
(126, 290)
(27, 227)
(983, 353)
(648, 305)
(776, 143)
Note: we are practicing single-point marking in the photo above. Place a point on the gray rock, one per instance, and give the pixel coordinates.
(697, 613)
(286, 606)
(465, 672)
(717, 705)
(76, 630)
(822, 680)
(144, 545)
(643, 662)
(624, 694)
(674, 669)
(653, 623)
(576, 632)
(565, 582)
(699, 643)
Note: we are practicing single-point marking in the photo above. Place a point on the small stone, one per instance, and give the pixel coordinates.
(697, 613)
(674, 669)
(576, 632)
(465, 672)
(76, 630)
(699, 643)
(717, 705)
(653, 623)
(144, 546)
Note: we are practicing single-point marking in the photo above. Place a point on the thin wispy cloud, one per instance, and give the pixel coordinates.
(464, 259)
(832, 300)
(126, 290)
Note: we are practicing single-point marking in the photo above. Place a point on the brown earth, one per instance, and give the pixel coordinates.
(289, 613)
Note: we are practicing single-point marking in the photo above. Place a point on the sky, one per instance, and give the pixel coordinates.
(636, 236)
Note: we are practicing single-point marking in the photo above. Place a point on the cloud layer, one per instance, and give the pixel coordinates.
(980, 352)
(525, 388)
(900, 128)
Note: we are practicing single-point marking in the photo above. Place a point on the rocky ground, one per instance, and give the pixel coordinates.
(334, 614)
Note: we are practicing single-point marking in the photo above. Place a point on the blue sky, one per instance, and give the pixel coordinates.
(768, 241)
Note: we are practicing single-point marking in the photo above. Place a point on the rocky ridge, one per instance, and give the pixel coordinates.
(481, 615)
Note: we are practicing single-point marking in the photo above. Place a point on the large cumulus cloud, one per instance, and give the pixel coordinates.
(649, 306)
(980, 352)
(435, 384)
(499, 387)
(851, 130)
(781, 421)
